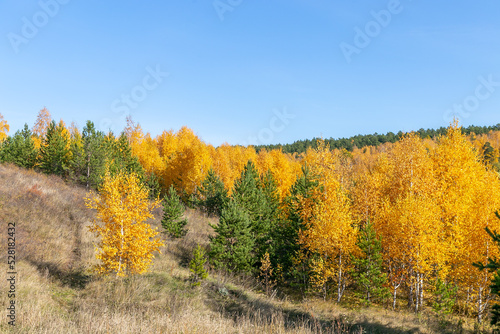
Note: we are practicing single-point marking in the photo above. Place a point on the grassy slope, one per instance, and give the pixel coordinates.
(57, 294)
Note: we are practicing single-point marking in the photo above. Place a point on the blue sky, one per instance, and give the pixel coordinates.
(252, 72)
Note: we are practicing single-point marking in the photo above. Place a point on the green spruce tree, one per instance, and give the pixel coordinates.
(94, 155)
(271, 213)
(55, 154)
(231, 247)
(172, 221)
(248, 195)
(89, 157)
(212, 194)
(368, 268)
(19, 149)
(259, 205)
(285, 236)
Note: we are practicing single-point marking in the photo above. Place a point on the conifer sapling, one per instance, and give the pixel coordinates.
(172, 221)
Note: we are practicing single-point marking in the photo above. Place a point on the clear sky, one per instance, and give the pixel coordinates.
(252, 71)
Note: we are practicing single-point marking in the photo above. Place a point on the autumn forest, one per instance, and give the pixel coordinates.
(400, 222)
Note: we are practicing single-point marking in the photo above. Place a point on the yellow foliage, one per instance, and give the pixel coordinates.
(65, 134)
(331, 231)
(468, 197)
(4, 129)
(144, 148)
(409, 217)
(126, 242)
(283, 167)
(370, 186)
(167, 144)
(229, 161)
(186, 158)
(37, 142)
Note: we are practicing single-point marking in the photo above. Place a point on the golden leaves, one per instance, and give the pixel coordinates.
(4, 128)
(144, 148)
(284, 168)
(126, 242)
(468, 197)
(229, 161)
(330, 230)
(186, 159)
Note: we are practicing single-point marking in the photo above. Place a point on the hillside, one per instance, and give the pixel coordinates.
(55, 292)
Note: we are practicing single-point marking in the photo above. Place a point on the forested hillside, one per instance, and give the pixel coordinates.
(396, 224)
(360, 141)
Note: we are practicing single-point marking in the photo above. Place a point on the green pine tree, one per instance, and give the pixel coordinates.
(89, 157)
(19, 149)
(55, 155)
(368, 268)
(248, 195)
(197, 266)
(231, 247)
(270, 212)
(172, 221)
(260, 204)
(5, 150)
(286, 234)
(94, 155)
(212, 194)
(120, 157)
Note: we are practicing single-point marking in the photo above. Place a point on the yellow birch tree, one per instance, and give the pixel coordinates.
(468, 197)
(331, 232)
(409, 218)
(127, 243)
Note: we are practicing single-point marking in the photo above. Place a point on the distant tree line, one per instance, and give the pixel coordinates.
(360, 141)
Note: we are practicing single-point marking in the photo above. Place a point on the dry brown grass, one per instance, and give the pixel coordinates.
(57, 294)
